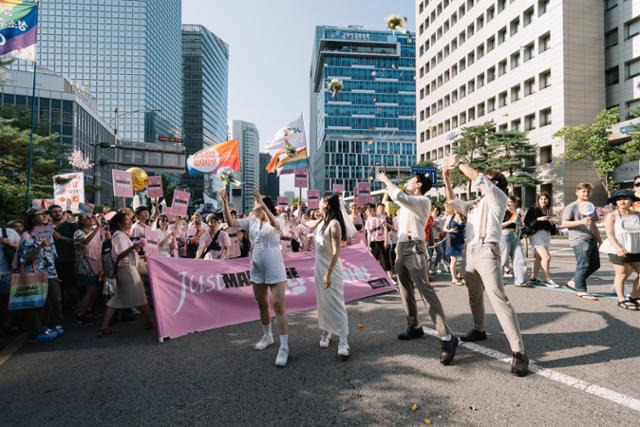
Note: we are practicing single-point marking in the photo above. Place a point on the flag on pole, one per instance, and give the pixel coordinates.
(300, 160)
(18, 26)
(290, 135)
(210, 159)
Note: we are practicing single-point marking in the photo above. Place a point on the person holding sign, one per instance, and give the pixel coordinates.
(411, 261)
(87, 241)
(584, 237)
(267, 273)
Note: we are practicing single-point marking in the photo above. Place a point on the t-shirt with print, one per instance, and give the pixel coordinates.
(376, 227)
(581, 233)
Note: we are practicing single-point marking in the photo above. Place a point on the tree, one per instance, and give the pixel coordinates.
(591, 143)
(472, 149)
(508, 153)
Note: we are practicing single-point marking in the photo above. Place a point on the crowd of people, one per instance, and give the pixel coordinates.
(95, 261)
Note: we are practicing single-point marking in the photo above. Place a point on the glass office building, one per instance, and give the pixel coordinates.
(371, 122)
(205, 83)
(127, 52)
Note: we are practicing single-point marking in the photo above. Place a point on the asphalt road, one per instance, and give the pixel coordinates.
(216, 378)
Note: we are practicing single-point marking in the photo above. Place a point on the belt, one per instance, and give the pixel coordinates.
(287, 239)
(412, 241)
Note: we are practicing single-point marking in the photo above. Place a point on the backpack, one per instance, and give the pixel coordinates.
(8, 251)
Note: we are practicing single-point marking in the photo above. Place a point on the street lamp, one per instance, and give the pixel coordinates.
(97, 170)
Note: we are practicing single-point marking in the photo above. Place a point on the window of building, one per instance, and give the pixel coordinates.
(471, 58)
(631, 106)
(463, 118)
(491, 13)
(545, 155)
(447, 100)
(462, 37)
(610, 4)
(491, 43)
(503, 127)
(446, 76)
(612, 76)
(502, 35)
(527, 52)
(515, 93)
(501, 5)
(544, 79)
(480, 22)
(529, 86)
(454, 122)
(545, 117)
(611, 38)
(633, 68)
(515, 124)
(527, 17)
(529, 122)
(480, 109)
(462, 91)
(480, 51)
(491, 74)
(632, 28)
(515, 60)
(471, 86)
(454, 18)
(502, 99)
(544, 42)
(491, 104)
(514, 26)
(502, 67)
(543, 7)
(471, 113)
(480, 80)
(454, 95)
(470, 30)
(454, 70)
(461, 11)
(462, 64)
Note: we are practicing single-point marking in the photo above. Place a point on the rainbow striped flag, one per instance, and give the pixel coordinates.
(18, 30)
(300, 160)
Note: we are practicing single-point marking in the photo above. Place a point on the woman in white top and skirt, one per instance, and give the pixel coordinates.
(330, 232)
(623, 245)
(267, 268)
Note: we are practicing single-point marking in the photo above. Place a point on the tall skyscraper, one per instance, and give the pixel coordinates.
(127, 53)
(372, 120)
(205, 82)
(269, 182)
(249, 142)
(531, 65)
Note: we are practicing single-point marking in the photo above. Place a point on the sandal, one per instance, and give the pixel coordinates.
(105, 332)
(586, 295)
(627, 304)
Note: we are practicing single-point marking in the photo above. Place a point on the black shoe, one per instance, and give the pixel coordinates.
(448, 350)
(520, 364)
(81, 321)
(411, 334)
(474, 335)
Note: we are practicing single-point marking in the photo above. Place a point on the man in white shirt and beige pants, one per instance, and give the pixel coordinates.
(411, 261)
(483, 269)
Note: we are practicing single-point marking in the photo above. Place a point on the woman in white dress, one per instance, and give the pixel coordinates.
(330, 232)
(267, 268)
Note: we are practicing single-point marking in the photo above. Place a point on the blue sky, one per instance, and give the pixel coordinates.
(270, 48)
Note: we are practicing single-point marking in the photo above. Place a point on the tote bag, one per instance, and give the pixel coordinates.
(28, 290)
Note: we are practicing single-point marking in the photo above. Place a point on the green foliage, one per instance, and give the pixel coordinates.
(438, 201)
(169, 184)
(472, 149)
(591, 143)
(508, 151)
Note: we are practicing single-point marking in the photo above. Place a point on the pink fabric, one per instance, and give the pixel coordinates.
(138, 230)
(120, 242)
(376, 227)
(234, 243)
(196, 295)
(205, 241)
(93, 251)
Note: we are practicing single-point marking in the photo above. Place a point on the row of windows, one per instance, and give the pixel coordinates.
(522, 55)
(545, 153)
(631, 29)
(631, 70)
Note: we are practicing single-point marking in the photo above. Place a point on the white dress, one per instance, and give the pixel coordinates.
(267, 264)
(332, 312)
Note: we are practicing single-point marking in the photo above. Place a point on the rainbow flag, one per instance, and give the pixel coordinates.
(300, 160)
(18, 30)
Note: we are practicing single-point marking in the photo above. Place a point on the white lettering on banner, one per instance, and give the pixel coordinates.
(212, 280)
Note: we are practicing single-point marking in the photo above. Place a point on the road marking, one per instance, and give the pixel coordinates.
(596, 390)
(12, 347)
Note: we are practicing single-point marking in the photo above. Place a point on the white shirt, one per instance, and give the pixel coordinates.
(496, 201)
(262, 235)
(412, 216)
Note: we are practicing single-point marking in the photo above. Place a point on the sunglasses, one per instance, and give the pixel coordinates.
(636, 184)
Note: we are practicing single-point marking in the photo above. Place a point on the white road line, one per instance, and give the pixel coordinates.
(596, 390)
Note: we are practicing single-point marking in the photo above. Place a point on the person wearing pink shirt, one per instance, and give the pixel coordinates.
(377, 237)
(139, 228)
(195, 230)
(290, 242)
(234, 247)
(215, 243)
(305, 234)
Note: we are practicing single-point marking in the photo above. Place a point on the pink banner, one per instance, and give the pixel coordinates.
(314, 198)
(194, 295)
(154, 187)
(338, 188)
(363, 193)
(180, 204)
(301, 179)
(122, 186)
(283, 201)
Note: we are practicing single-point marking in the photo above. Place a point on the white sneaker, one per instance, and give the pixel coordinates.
(264, 342)
(325, 338)
(283, 356)
(343, 349)
(551, 284)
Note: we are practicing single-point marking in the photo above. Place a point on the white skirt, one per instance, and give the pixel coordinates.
(540, 238)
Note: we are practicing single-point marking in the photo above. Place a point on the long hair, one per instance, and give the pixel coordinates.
(29, 220)
(546, 210)
(333, 212)
(269, 204)
(118, 218)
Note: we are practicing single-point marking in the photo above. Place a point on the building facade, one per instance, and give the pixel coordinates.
(69, 111)
(249, 142)
(370, 123)
(205, 83)
(269, 182)
(127, 52)
(531, 65)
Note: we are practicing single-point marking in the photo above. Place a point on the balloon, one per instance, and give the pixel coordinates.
(139, 178)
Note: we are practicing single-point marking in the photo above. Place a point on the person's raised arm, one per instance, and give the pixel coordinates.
(336, 236)
(446, 175)
(225, 210)
(270, 216)
(469, 172)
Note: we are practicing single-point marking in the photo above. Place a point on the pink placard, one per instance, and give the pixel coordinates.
(283, 201)
(301, 178)
(153, 238)
(363, 193)
(338, 188)
(43, 232)
(193, 295)
(122, 186)
(313, 195)
(180, 204)
(154, 187)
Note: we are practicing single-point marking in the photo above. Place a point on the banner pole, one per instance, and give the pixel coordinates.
(33, 124)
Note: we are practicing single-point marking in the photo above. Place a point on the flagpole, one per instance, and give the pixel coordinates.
(33, 124)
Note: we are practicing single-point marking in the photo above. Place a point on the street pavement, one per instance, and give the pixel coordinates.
(588, 353)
